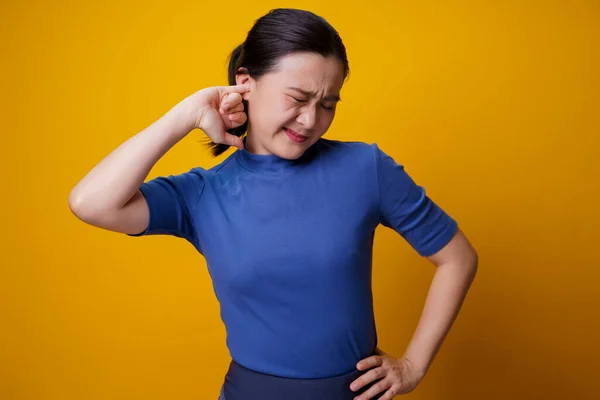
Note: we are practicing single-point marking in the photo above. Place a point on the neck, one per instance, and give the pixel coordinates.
(252, 145)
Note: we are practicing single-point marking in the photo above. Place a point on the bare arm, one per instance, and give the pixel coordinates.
(456, 266)
(108, 196)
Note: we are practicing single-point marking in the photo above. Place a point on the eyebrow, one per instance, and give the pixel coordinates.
(313, 94)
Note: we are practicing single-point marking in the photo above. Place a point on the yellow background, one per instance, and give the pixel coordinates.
(492, 106)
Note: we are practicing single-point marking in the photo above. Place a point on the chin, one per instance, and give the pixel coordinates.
(285, 148)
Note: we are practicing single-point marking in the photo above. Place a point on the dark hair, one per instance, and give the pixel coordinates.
(280, 32)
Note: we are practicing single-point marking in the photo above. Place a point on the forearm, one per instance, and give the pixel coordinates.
(448, 289)
(115, 179)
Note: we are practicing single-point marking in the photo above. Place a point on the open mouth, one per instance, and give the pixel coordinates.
(295, 136)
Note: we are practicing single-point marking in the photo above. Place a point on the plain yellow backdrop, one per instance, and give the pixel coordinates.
(492, 106)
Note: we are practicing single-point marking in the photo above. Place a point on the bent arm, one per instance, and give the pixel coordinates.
(457, 265)
(108, 196)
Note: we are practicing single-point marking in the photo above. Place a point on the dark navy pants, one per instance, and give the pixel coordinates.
(242, 383)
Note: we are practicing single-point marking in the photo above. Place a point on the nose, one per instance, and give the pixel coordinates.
(308, 117)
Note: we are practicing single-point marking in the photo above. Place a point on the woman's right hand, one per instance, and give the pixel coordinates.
(218, 109)
(109, 195)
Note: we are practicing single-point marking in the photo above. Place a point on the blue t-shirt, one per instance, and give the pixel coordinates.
(288, 244)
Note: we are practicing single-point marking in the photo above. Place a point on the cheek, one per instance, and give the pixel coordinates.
(325, 119)
(286, 112)
(270, 117)
(260, 112)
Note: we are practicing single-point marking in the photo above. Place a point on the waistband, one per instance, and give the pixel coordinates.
(242, 383)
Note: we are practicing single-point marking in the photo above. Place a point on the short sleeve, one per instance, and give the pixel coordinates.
(172, 203)
(405, 207)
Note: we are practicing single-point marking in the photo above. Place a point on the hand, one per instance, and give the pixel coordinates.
(394, 376)
(219, 108)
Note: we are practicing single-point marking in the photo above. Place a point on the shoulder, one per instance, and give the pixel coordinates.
(187, 186)
(206, 174)
(222, 167)
(348, 148)
(344, 145)
(189, 180)
(355, 152)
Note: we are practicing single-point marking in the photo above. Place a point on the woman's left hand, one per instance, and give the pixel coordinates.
(395, 376)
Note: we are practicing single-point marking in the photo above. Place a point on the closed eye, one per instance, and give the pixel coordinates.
(298, 100)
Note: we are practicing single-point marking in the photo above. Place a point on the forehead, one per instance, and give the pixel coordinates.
(311, 72)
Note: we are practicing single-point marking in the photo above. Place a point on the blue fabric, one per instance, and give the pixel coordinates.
(288, 244)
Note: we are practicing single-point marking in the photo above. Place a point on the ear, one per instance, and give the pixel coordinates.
(243, 77)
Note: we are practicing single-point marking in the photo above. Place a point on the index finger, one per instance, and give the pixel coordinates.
(237, 88)
(369, 362)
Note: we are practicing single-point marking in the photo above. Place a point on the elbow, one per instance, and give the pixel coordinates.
(472, 257)
(76, 203)
(472, 263)
(468, 257)
(81, 207)
(466, 263)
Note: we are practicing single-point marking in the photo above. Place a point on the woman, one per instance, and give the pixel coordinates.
(286, 222)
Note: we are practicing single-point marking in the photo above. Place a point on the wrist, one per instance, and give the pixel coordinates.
(191, 112)
(182, 117)
(196, 107)
(418, 365)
